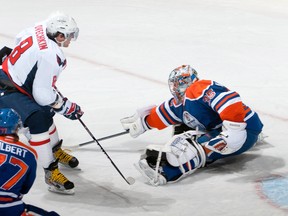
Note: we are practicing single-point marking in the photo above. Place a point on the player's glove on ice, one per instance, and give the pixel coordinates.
(70, 110)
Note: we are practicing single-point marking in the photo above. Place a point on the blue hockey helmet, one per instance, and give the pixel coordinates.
(180, 79)
(10, 121)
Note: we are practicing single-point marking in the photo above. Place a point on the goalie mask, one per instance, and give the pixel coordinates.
(180, 79)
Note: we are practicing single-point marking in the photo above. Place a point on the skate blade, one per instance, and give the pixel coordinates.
(57, 190)
(65, 166)
(149, 174)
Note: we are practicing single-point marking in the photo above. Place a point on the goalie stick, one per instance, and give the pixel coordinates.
(104, 138)
(129, 180)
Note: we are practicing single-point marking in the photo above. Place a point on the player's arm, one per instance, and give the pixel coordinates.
(229, 106)
(44, 92)
(150, 117)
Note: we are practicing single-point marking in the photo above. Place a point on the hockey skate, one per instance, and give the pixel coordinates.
(63, 157)
(56, 181)
(153, 177)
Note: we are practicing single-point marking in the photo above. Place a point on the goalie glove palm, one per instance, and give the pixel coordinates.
(135, 124)
(70, 110)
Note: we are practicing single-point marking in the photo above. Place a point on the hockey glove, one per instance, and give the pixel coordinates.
(4, 52)
(230, 140)
(69, 110)
(136, 124)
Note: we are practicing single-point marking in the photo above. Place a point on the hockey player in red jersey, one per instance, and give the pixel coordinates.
(217, 125)
(27, 84)
(18, 163)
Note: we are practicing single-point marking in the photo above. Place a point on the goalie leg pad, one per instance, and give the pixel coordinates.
(178, 158)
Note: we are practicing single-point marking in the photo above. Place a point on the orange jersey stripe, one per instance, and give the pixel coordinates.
(10, 141)
(154, 121)
(207, 151)
(234, 112)
(196, 89)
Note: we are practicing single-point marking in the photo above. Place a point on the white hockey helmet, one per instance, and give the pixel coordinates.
(62, 23)
(180, 79)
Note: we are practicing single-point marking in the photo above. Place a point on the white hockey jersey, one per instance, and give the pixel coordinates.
(35, 64)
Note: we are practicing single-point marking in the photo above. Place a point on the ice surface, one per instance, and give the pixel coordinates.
(121, 62)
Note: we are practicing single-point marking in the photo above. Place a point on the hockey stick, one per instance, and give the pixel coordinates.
(104, 138)
(129, 180)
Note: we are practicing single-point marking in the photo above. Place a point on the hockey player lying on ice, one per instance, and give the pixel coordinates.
(214, 124)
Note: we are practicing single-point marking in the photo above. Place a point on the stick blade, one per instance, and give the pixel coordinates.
(130, 180)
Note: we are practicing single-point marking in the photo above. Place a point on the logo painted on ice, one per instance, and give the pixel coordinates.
(273, 189)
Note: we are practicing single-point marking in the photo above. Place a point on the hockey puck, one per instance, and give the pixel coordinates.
(130, 180)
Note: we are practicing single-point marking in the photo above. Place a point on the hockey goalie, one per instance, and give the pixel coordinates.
(210, 123)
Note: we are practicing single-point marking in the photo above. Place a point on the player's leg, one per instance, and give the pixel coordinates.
(39, 121)
(62, 156)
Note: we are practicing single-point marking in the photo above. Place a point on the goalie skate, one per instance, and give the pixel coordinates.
(150, 174)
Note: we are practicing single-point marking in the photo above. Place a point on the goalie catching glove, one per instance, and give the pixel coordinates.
(67, 108)
(136, 124)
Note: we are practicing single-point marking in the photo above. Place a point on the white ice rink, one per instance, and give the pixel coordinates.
(121, 62)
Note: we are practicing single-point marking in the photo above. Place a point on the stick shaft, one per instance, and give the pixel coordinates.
(104, 138)
(95, 140)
